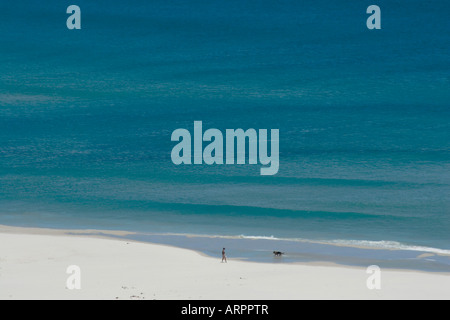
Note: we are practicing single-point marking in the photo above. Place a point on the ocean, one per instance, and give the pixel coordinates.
(86, 118)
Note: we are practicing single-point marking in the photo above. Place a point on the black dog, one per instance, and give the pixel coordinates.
(278, 253)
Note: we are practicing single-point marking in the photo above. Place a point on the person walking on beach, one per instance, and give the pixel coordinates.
(224, 257)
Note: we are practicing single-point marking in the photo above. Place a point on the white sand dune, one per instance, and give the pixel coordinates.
(33, 265)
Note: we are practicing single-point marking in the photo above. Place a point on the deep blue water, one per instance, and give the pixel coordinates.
(364, 117)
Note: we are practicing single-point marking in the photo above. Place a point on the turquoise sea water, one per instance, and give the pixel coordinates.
(364, 117)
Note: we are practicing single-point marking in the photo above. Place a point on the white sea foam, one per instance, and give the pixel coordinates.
(387, 245)
(392, 245)
(259, 237)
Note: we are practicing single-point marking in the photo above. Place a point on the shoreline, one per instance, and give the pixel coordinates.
(33, 265)
(257, 249)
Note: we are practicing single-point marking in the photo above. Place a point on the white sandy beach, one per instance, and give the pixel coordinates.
(33, 264)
